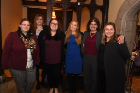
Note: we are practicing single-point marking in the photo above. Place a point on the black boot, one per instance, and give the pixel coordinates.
(43, 84)
(38, 86)
(71, 91)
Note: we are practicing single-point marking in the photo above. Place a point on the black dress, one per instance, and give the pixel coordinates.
(114, 59)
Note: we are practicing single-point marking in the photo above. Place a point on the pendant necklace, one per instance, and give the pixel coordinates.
(92, 35)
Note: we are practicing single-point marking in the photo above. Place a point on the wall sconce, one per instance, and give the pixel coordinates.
(53, 14)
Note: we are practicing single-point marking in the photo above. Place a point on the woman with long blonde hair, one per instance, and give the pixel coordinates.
(73, 55)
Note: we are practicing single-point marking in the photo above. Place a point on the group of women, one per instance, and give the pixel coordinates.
(98, 53)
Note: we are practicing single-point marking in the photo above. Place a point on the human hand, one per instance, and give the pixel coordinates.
(121, 39)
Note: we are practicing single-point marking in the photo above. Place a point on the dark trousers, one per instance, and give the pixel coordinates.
(22, 77)
(102, 81)
(43, 74)
(90, 73)
(73, 81)
(53, 74)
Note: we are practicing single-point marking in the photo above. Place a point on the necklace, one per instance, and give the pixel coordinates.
(92, 35)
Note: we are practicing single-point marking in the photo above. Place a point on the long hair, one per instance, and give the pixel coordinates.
(29, 34)
(77, 33)
(35, 25)
(113, 37)
(57, 35)
(94, 19)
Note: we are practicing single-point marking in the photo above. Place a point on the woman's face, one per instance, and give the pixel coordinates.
(93, 26)
(54, 25)
(25, 26)
(73, 26)
(39, 21)
(109, 31)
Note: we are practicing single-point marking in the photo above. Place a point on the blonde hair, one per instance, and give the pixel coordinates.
(35, 25)
(77, 34)
(113, 37)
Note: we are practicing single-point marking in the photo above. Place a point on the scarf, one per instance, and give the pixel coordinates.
(29, 42)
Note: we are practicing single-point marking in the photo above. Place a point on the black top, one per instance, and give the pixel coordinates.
(114, 65)
(101, 56)
(41, 40)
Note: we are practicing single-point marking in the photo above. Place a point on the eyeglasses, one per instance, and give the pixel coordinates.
(93, 24)
(56, 24)
(25, 25)
(39, 19)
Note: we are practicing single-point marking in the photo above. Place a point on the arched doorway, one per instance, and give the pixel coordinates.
(126, 20)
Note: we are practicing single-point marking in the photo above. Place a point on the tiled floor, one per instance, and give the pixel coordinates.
(9, 87)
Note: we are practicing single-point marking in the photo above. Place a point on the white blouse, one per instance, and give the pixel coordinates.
(29, 59)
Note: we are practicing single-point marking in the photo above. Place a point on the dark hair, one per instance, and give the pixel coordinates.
(57, 35)
(34, 25)
(104, 37)
(29, 34)
(94, 19)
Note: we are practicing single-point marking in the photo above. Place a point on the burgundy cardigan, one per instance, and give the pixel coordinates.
(14, 54)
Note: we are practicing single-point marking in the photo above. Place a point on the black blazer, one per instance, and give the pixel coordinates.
(114, 64)
(41, 40)
(98, 39)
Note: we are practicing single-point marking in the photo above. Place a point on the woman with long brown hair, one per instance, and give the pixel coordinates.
(111, 61)
(73, 57)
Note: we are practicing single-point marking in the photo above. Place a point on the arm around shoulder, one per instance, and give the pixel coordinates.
(124, 51)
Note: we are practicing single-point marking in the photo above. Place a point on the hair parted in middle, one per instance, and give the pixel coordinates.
(104, 37)
(94, 19)
(57, 36)
(29, 33)
(77, 33)
(35, 25)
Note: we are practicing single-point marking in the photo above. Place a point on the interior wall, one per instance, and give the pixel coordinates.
(24, 12)
(114, 6)
(74, 16)
(85, 16)
(98, 14)
(138, 23)
(11, 14)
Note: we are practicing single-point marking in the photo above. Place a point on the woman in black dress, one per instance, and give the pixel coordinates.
(111, 61)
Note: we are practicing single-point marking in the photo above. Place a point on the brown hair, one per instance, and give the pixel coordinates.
(104, 37)
(35, 25)
(77, 33)
(24, 19)
(19, 28)
(94, 19)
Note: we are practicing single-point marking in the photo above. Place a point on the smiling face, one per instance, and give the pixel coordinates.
(54, 25)
(109, 31)
(73, 26)
(25, 26)
(93, 26)
(39, 20)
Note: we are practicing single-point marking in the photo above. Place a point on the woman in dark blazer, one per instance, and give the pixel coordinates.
(21, 55)
(111, 61)
(51, 44)
(89, 46)
(37, 28)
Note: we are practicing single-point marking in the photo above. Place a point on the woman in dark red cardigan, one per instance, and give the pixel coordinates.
(21, 55)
